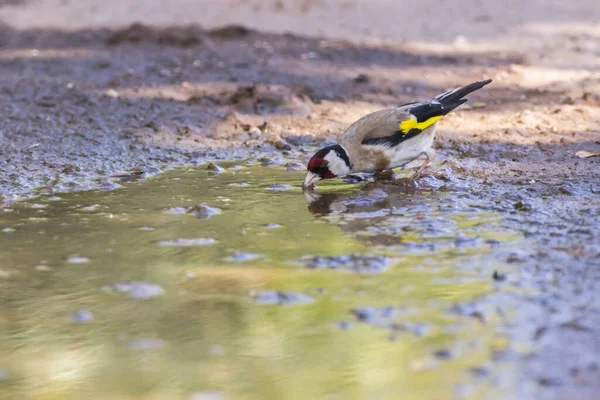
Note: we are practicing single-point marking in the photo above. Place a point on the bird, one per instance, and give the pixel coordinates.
(387, 139)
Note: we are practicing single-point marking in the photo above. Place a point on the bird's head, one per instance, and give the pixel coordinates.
(327, 163)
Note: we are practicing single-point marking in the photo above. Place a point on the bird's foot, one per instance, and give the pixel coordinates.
(419, 174)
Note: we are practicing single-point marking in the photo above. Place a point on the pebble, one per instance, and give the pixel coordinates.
(175, 210)
(414, 328)
(282, 298)
(137, 289)
(377, 194)
(187, 242)
(214, 167)
(351, 263)
(204, 212)
(295, 166)
(272, 226)
(243, 257)
(112, 93)
(479, 372)
(265, 161)
(78, 260)
(82, 316)
(108, 186)
(443, 354)
(280, 188)
(382, 316)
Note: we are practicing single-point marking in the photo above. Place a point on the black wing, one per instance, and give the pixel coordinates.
(426, 114)
(423, 116)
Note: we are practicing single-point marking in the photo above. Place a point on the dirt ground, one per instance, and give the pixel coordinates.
(85, 93)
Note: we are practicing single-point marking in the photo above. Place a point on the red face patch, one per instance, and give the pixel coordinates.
(315, 163)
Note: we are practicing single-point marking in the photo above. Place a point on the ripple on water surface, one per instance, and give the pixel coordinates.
(231, 290)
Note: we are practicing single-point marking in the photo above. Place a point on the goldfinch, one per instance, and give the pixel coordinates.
(387, 139)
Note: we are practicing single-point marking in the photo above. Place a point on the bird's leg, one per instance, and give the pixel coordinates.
(417, 174)
(384, 175)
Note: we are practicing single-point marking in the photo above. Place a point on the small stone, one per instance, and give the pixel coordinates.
(282, 298)
(254, 132)
(82, 316)
(112, 93)
(498, 276)
(344, 325)
(137, 289)
(280, 187)
(377, 194)
(264, 161)
(243, 257)
(295, 166)
(443, 354)
(479, 372)
(203, 211)
(279, 143)
(215, 168)
(78, 260)
(8, 230)
(376, 316)
(461, 41)
(362, 78)
(135, 174)
(108, 186)
(43, 268)
(357, 263)
(272, 226)
(522, 206)
(549, 381)
(187, 242)
(175, 210)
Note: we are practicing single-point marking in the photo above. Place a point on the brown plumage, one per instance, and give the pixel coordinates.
(387, 139)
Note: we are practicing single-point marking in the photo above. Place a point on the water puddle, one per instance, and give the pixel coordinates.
(236, 285)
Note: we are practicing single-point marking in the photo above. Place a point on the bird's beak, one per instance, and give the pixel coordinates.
(310, 179)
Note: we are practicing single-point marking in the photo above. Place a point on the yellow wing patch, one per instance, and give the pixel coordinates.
(407, 125)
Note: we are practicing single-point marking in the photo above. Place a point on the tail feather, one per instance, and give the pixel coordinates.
(456, 95)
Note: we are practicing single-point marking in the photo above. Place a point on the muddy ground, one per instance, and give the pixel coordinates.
(81, 105)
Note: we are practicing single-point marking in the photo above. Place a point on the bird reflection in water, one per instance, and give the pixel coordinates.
(361, 212)
(372, 197)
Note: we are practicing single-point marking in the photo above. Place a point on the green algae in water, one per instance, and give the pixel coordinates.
(202, 330)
